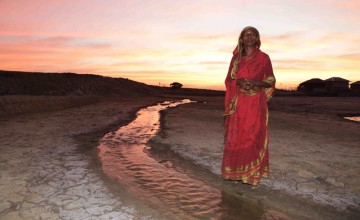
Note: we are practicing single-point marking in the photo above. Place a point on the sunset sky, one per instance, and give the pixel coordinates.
(158, 42)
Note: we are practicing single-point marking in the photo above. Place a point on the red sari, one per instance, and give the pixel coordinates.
(246, 154)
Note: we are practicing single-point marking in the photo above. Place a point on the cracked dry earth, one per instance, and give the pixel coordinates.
(314, 154)
(43, 175)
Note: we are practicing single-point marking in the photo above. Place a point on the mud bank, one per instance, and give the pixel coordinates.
(48, 169)
(314, 154)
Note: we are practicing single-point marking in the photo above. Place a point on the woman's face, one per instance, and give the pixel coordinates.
(249, 38)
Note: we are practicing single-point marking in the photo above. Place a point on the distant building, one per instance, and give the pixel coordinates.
(313, 86)
(331, 86)
(176, 85)
(355, 87)
(337, 85)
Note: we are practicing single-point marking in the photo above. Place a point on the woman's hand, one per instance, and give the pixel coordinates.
(241, 82)
(246, 84)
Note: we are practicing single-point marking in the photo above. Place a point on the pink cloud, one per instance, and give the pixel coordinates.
(353, 5)
(351, 56)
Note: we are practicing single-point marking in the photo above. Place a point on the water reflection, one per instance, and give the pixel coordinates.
(158, 184)
(355, 118)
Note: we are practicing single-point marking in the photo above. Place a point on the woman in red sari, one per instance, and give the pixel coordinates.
(250, 83)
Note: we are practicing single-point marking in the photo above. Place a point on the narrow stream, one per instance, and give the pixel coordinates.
(162, 187)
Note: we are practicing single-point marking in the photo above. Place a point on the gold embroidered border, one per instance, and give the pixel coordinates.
(254, 163)
(235, 68)
(265, 171)
(271, 80)
(253, 179)
(250, 92)
(231, 108)
(250, 166)
(270, 91)
(232, 105)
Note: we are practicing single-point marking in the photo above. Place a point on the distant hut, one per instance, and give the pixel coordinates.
(355, 87)
(337, 85)
(314, 85)
(176, 85)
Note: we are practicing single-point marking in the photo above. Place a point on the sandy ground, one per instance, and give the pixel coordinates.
(46, 167)
(314, 154)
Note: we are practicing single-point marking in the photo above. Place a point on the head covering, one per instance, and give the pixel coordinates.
(240, 42)
(240, 49)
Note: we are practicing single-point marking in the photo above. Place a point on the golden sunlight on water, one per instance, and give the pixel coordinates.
(356, 118)
(173, 193)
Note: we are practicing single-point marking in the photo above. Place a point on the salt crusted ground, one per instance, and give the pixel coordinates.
(314, 154)
(47, 170)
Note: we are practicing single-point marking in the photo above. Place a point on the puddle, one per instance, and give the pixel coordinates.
(355, 118)
(163, 188)
(350, 116)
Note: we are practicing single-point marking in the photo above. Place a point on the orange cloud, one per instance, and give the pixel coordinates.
(192, 44)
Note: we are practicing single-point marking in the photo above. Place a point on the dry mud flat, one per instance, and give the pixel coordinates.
(314, 153)
(46, 168)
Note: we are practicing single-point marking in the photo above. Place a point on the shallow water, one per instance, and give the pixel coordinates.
(163, 188)
(354, 118)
